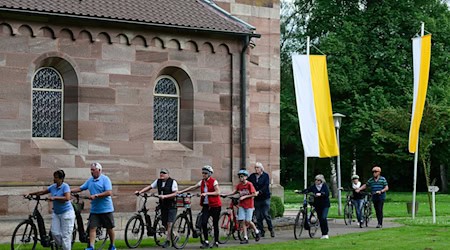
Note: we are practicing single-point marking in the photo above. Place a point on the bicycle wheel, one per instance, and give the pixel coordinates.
(24, 236)
(74, 233)
(225, 227)
(198, 225)
(313, 223)
(348, 213)
(251, 232)
(134, 230)
(101, 236)
(367, 213)
(180, 231)
(299, 222)
(160, 235)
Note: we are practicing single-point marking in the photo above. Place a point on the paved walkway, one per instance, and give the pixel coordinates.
(337, 227)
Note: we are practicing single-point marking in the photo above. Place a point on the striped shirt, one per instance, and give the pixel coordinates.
(377, 185)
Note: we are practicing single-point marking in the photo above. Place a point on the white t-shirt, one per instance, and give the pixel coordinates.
(205, 189)
(154, 185)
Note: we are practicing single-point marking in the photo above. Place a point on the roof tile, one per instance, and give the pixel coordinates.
(192, 14)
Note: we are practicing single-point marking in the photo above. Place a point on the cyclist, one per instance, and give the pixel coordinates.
(167, 190)
(321, 202)
(210, 202)
(378, 186)
(357, 198)
(261, 182)
(247, 193)
(63, 215)
(102, 208)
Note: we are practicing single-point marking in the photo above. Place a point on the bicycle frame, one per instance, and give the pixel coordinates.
(44, 238)
(84, 233)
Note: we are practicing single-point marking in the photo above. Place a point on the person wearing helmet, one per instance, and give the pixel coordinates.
(378, 187)
(261, 182)
(357, 197)
(247, 192)
(210, 202)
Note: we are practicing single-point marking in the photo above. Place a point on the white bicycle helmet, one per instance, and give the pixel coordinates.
(208, 168)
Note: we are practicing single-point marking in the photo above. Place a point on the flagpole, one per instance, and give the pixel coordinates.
(416, 154)
(305, 171)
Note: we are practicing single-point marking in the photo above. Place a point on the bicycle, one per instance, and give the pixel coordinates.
(25, 235)
(141, 221)
(367, 209)
(348, 209)
(183, 224)
(229, 224)
(305, 219)
(101, 233)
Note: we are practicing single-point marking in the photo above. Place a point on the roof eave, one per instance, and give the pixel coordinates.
(157, 25)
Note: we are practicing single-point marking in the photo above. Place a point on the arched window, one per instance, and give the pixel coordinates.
(47, 91)
(166, 106)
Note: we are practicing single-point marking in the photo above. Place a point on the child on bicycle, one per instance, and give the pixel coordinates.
(357, 198)
(247, 193)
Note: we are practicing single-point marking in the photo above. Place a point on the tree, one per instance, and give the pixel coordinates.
(368, 48)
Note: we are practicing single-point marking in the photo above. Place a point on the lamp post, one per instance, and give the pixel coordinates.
(337, 118)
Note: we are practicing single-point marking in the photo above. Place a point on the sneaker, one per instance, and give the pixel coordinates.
(89, 248)
(379, 226)
(166, 244)
(244, 241)
(272, 233)
(257, 237)
(112, 247)
(216, 244)
(324, 237)
(205, 245)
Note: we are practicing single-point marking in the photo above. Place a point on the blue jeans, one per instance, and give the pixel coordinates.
(262, 213)
(358, 204)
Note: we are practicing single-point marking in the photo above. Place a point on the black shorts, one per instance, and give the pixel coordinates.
(168, 215)
(105, 220)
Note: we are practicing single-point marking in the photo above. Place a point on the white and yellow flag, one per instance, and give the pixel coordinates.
(314, 106)
(421, 62)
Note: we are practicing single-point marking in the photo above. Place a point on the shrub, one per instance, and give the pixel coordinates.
(276, 207)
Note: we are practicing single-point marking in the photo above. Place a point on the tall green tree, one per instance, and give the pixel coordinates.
(368, 48)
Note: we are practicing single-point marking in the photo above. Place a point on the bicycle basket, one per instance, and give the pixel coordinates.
(78, 207)
(311, 199)
(180, 201)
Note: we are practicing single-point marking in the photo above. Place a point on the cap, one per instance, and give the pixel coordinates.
(355, 176)
(97, 165)
(164, 171)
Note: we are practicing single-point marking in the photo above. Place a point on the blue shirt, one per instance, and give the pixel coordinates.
(58, 206)
(96, 186)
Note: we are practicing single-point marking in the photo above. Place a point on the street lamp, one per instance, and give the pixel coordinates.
(337, 118)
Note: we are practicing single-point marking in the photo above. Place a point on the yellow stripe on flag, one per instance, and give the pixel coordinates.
(322, 103)
(420, 90)
(312, 95)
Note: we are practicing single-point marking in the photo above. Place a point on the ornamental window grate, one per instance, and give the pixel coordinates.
(165, 110)
(47, 95)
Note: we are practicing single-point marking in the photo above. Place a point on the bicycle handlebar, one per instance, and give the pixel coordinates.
(35, 197)
(146, 195)
(189, 195)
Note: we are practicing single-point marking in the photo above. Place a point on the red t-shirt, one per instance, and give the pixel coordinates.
(245, 189)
